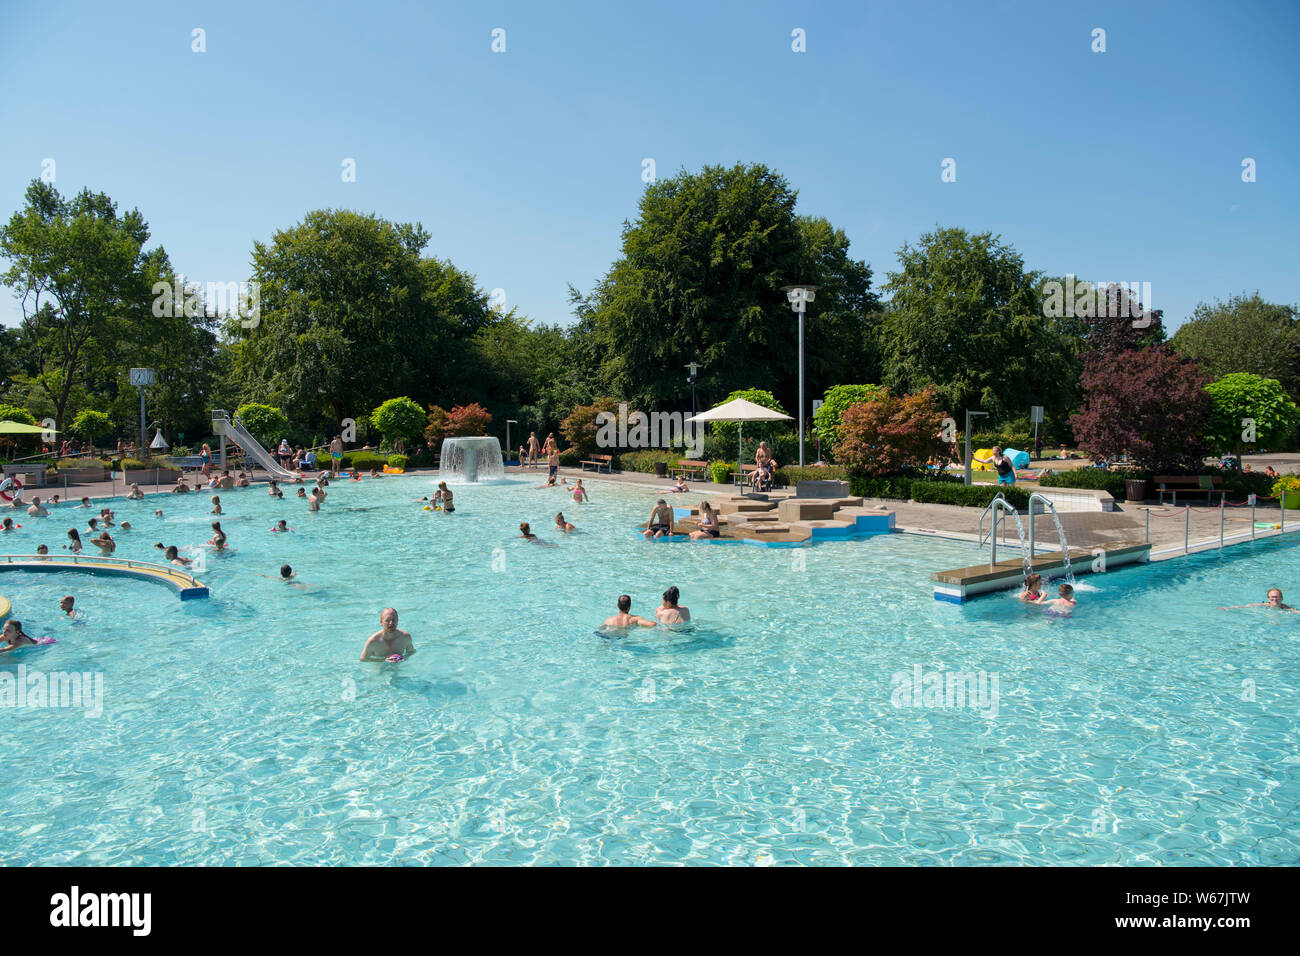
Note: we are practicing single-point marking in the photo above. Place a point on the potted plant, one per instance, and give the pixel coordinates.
(718, 471)
(1287, 490)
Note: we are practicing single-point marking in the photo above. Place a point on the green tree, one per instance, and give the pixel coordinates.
(826, 423)
(267, 423)
(700, 278)
(92, 425)
(81, 276)
(16, 413)
(1250, 412)
(399, 419)
(1244, 334)
(966, 318)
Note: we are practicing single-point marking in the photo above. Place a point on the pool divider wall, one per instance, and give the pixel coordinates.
(959, 585)
(184, 584)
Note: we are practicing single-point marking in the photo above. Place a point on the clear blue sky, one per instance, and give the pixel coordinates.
(1122, 166)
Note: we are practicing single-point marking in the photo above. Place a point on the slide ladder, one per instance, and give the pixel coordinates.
(222, 424)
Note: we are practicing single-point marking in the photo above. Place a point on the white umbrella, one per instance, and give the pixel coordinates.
(159, 442)
(739, 410)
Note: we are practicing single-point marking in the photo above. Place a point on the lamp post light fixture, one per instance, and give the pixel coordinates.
(695, 371)
(969, 416)
(799, 296)
(509, 422)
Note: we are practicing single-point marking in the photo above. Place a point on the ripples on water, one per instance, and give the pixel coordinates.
(1148, 728)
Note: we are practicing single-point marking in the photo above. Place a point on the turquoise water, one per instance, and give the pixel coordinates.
(243, 729)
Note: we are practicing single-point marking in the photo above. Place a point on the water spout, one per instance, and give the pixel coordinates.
(471, 459)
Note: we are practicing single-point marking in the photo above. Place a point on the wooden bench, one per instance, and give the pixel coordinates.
(690, 468)
(597, 461)
(1189, 485)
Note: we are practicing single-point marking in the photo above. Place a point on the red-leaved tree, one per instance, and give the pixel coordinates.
(467, 420)
(888, 433)
(1149, 403)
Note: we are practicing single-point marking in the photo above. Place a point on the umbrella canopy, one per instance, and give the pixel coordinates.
(740, 411)
(18, 428)
(159, 442)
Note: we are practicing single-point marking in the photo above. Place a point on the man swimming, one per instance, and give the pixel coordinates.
(1274, 601)
(624, 618)
(670, 612)
(388, 642)
(661, 521)
(36, 511)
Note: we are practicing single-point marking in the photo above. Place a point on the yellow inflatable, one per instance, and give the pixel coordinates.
(389, 470)
(977, 465)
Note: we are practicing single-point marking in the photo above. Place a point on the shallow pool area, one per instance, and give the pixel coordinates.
(810, 715)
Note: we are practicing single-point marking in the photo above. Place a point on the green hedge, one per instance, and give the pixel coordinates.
(397, 461)
(571, 458)
(1094, 479)
(936, 491)
(644, 461)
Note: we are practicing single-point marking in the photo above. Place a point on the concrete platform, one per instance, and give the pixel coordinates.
(959, 585)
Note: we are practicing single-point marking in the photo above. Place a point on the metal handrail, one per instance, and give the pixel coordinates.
(75, 559)
(999, 503)
(980, 531)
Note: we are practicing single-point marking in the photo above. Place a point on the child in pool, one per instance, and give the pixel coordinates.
(580, 495)
(282, 525)
(14, 637)
(1063, 605)
(216, 504)
(1033, 592)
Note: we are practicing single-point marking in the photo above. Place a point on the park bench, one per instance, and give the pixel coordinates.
(690, 468)
(1189, 485)
(29, 474)
(598, 462)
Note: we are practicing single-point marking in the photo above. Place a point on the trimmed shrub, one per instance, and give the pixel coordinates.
(644, 461)
(718, 471)
(365, 460)
(397, 461)
(932, 491)
(1094, 479)
(571, 458)
(789, 477)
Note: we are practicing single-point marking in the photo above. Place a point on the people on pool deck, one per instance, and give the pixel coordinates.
(105, 543)
(282, 525)
(533, 449)
(387, 642)
(36, 511)
(444, 495)
(580, 495)
(205, 461)
(135, 494)
(216, 504)
(74, 541)
(1006, 470)
(561, 524)
(1274, 600)
(336, 454)
(1033, 592)
(710, 526)
(679, 485)
(624, 617)
(670, 612)
(181, 488)
(284, 452)
(661, 521)
(13, 636)
(218, 539)
(1064, 604)
(523, 459)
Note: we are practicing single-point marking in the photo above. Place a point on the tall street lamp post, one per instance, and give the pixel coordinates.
(799, 297)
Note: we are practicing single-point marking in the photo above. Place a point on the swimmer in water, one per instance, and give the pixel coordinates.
(181, 488)
(444, 495)
(561, 524)
(281, 525)
(136, 494)
(14, 637)
(1063, 605)
(85, 503)
(216, 504)
(526, 534)
(74, 541)
(126, 526)
(218, 539)
(173, 554)
(313, 500)
(8, 525)
(302, 493)
(68, 605)
(1274, 601)
(43, 549)
(580, 495)
(670, 612)
(105, 543)
(36, 511)
(106, 517)
(624, 617)
(158, 513)
(388, 641)
(1033, 592)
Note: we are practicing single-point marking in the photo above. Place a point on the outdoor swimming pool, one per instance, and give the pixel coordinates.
(242, 729)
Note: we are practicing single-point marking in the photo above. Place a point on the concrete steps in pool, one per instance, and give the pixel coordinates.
(958, 585)
(783, 518)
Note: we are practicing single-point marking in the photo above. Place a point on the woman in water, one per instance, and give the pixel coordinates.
(218, 539)
(1033, 592)
(74, 541)
(580, 495)
(561, 524)
(670, 612)
(444, 495)
(526, 534)
(710, 527)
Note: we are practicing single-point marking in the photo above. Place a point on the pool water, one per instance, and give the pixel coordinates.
(1149, 727)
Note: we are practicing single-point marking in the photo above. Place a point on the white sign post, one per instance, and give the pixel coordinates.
(142, 378)
(1036, 416)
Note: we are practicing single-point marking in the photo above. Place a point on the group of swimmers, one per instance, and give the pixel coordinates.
(671, 611)
(1062, 604)
(13, 636)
